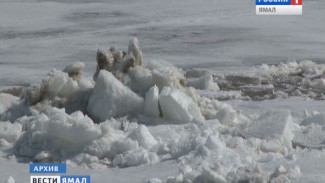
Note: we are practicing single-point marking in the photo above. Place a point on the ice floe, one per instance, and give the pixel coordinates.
(176, 105)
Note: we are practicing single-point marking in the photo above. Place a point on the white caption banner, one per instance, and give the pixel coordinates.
(278, 9)
(45, 179)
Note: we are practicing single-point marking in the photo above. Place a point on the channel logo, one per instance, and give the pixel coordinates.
(45, 179)
(278, 7)
(60, 179)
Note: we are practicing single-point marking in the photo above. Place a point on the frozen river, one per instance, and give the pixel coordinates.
(224, 36)
(36, 36)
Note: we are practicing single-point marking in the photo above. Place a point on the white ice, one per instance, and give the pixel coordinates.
(178, 106)
(110, 98)
(151, 106)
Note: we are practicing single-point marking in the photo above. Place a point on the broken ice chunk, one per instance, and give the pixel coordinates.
(197, 73)
(271, 125)
(243, 80)
(151, 107)
(110, 98)
(7, 101)
(176, 105)
(135, 158)
(74, 70)
(258, 90)
(312, 137)
(273, 146)
(143, 137)
(282, 175)
(154, 180)
(140, 80)
(10, 180)
(10, 131)
(220, 95)
(167, 77)
(135, 50)
(203, 83)
(105, 60)
(55, 83)
(316, 119)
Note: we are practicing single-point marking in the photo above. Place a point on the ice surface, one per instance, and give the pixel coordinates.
(206, 150)
(135, 50)
(151, 107)
(282, 175)
(16, 111)
(273, 146)
(69, 88)
(203, 83)
(74, 70)
(10, 180)
(311, 137)
(272, 125)
(167, 76)
(139, 80)
(187, 38)
(295, 78)
(220, 95)
(176, 105)
(188, 34)
(253, 174)
(110, 144)
(154, 180)
(7, 101)
(316, 119)
(56, 132)
(78, 101)
(302, 79)
(243, 80)
(56, 83)
(143, 137)
(10, 132)
(197, 73)
(212, 109)
(110, 98)
(258, 91)
(140, 156)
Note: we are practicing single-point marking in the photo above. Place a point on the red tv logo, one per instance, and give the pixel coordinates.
(296, 2)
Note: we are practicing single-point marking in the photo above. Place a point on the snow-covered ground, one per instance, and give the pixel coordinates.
(249, 118)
